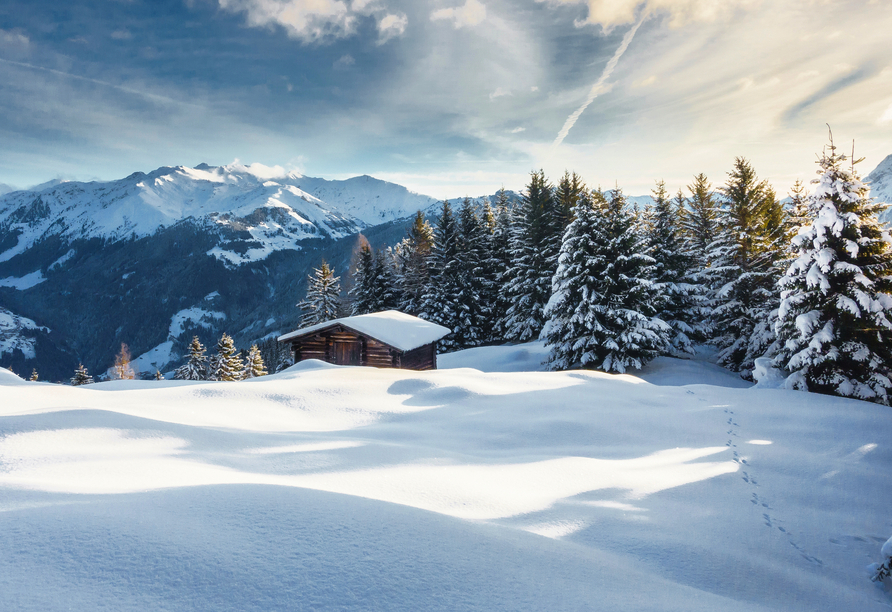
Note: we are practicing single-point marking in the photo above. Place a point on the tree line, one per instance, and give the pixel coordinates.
(611, 286)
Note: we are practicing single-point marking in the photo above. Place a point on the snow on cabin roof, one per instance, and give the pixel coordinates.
(399, 330)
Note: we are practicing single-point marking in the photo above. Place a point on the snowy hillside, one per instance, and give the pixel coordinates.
(880, 181)
(330, 488)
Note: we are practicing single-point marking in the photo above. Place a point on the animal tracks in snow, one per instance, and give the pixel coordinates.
(768, 515)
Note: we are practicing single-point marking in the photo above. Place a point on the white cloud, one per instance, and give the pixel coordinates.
(471, 13)
(315, 20)
(344, 62)
(121, 34)
(13, 39)
(391, 26)
(499, 92)
(518, 130)
(305, 19)
(887, 116)
(610, 13)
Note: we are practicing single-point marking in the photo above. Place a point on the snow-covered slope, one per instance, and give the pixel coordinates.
(331, 488)
(17, 334)
(880, 181)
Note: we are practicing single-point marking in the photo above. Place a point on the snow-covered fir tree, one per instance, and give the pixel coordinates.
(762, 341)
(196, 367)
(227, 363)
(533, 263)
(386, 292)
(413, 255)
(254, 366)
(602, 310)
(441, 301)
(835, 319)
(566, 195)
(699, 219)
(682, 302)
(323, 296)
(739, 266)
(499, 261)
(363, 292)
(81, 376)
(475, 289)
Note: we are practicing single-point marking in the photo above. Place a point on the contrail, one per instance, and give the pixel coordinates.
(129, 90)
(599, 85)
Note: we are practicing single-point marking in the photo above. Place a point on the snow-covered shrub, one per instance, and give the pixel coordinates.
(882, 571)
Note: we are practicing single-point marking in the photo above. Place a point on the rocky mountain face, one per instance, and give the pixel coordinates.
(153, 259)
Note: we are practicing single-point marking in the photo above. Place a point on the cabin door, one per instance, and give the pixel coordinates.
(347, 353)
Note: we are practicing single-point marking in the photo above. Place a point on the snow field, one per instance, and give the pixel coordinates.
(326, 487)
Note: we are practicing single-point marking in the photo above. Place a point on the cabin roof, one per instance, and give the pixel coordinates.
(397, 329)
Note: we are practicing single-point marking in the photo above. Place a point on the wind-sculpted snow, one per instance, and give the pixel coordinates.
(328, 488)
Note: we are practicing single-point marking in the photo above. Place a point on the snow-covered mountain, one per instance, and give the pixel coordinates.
(276, 209)
(880, 180)
(154, 258)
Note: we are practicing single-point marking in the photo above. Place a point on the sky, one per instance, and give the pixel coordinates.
(446, 97)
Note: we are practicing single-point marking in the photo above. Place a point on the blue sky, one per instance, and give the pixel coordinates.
(449, 98)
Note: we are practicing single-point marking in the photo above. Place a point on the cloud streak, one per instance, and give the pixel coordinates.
(471, 13)
(598, 87)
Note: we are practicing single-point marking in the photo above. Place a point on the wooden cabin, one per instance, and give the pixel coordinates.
(388, 339)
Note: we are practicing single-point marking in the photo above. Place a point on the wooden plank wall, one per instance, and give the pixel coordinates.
(374, 353)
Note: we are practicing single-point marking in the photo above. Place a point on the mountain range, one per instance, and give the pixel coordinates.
(154, 258)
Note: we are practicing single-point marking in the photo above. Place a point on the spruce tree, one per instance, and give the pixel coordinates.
(682, 303)
(123, 369)
(440, 303)
(33, 375)
(534, 261)
(227, 363)
(567, 193)
(159, 375)
(414, 273)
(323, 296)
(254, 366)
(384, 286)
(363, 291)
(473, 324)
(81, 376)
(739, 266)
(196, 367)
(499, 262)
(602, 310)
(699, 219)
(835, 319)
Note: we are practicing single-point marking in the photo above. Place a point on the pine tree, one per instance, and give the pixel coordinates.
(159, 375)
(33, 375)
(363, 292)
(739, 266)
(682, 303)
(699, 219)
(834, 322)
(196, 367)
(123, 369)
(499, 262)
(323, 296)
(414, 274)
(601, 313)
(227, 363)
(474, 289)
(384, 286)
(254, 366)
(440, 303)
(567, 193)
(534, 262)
(81, 376)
